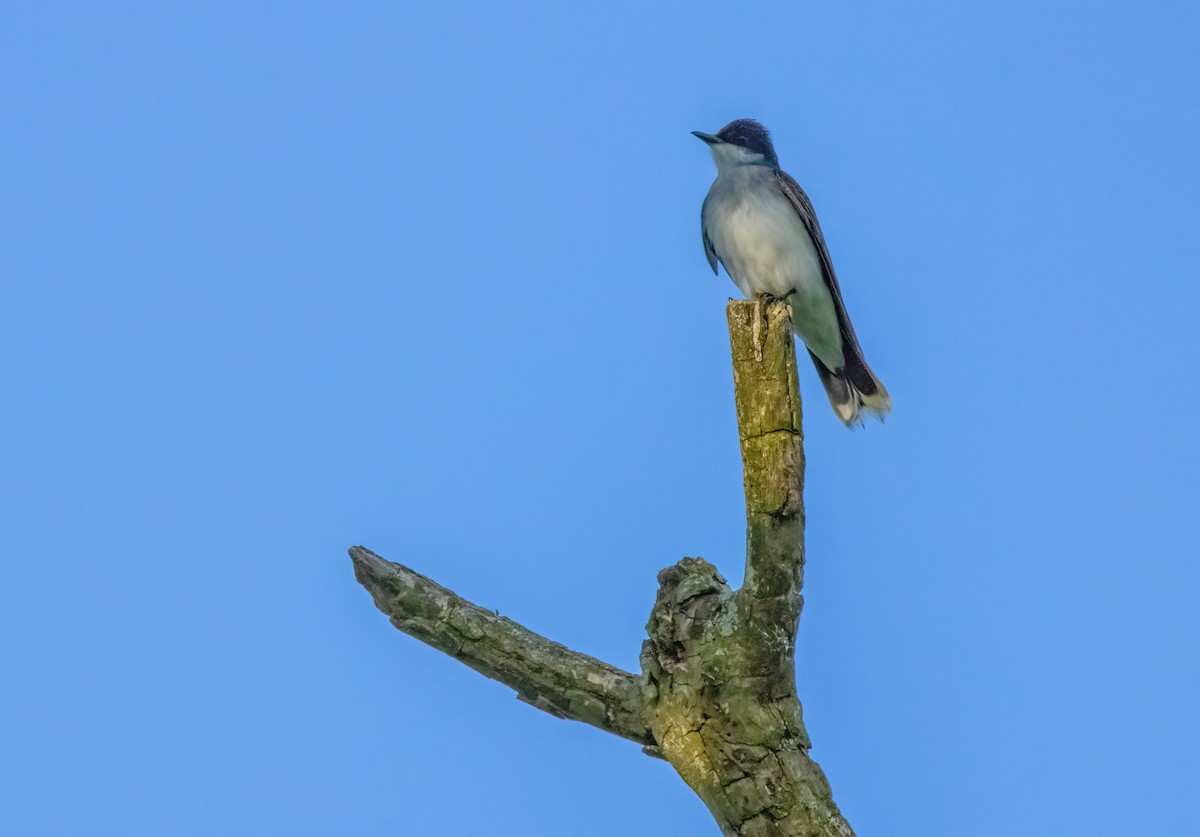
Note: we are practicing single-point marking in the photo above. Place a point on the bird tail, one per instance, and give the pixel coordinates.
(853, 390)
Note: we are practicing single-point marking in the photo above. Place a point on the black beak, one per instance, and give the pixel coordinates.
(709, 138)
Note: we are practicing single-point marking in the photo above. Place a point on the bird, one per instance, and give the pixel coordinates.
(759, 224)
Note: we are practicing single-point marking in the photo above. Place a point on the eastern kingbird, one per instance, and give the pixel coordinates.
(758, 222)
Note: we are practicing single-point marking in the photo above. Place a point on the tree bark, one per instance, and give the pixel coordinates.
(544, 674)
(717, 694)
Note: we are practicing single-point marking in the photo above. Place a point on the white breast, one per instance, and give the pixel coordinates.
(759, 237)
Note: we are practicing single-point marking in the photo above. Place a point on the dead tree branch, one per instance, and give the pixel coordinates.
(543, 673)
(717, 693)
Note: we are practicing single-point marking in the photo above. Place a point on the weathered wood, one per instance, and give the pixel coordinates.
(717, 696)
(718, 664)
(544, 674)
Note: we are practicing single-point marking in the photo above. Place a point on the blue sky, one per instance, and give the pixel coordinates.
(281, 278)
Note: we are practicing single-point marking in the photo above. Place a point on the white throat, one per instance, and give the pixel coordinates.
(728, 156)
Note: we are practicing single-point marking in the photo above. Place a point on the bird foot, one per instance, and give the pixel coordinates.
(759, 300)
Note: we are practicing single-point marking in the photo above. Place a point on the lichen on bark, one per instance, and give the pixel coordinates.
(718, 666)
(717, 693)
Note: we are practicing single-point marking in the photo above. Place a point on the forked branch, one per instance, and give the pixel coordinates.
(717, 693)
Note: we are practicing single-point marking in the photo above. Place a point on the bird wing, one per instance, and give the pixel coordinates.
(709, 251)
(808, 216)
